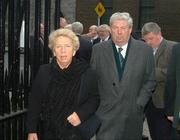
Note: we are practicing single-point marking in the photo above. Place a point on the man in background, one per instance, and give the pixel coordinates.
(160, 128)
(93, 34)
(85, 49)
(104, 32)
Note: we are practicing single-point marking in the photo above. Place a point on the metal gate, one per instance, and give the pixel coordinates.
(18, 66)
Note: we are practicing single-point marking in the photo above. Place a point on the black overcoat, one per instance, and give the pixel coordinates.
(88, 98)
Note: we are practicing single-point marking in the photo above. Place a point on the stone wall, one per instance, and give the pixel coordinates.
(68, 8)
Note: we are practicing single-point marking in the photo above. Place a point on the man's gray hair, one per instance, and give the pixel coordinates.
(77, 27)
(150, 27)
(121, 16)
(105, 27)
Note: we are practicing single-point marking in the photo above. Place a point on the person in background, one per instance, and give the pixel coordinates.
(172, 92)
(41, 43)
(85, 49)
(63, 22)
(126, 79)
(37, 45)
(64, 93)
(93, 34)
(104, 32)
(160, 128)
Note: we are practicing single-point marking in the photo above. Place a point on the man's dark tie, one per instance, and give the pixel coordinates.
(121, 59)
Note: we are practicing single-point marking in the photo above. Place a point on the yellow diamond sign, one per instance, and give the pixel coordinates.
(100, 10)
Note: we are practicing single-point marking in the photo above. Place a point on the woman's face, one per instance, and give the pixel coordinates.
(64, 51)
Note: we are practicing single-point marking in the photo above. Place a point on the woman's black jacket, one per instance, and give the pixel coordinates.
(88, 98)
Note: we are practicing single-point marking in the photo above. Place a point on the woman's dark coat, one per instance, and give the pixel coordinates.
(88, 98)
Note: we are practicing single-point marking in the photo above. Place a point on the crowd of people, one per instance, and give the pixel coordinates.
(105, 82)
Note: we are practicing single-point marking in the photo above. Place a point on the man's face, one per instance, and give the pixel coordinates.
(103, 33)
(63, 23)
(120, 32)
(152, 39)
(93, 31)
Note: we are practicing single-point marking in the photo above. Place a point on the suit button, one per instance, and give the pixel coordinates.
(114, 84)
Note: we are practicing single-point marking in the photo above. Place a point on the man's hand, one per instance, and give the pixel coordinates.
(32, 136)
(74, 119)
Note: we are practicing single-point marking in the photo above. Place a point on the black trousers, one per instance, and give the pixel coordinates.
(159, 126)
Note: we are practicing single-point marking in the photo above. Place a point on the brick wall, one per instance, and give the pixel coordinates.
(85, 13)
(130, 6)
(168, 17)
(167, 14)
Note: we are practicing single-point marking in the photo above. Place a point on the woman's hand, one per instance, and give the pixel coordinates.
(171, 118)
(32, 136)
(74, 119)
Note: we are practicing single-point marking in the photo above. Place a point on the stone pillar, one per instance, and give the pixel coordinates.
(68, 8)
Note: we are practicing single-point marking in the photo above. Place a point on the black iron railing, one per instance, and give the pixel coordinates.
(16, 77)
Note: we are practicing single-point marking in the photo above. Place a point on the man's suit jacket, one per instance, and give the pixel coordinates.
(162, 58)
(172, 94)
(95, 41)
(85, 49)
(122, 102)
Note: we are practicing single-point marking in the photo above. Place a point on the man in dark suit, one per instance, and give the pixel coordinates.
(104, 32)
(85, 49)
(37, 49)
(160, 128)
(93, 34)
(126, 81)
(172, 92)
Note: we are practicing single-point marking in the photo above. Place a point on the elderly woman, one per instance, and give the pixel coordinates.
(64, 93)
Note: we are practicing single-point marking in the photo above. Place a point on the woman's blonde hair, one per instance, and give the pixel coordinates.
(65, 33)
